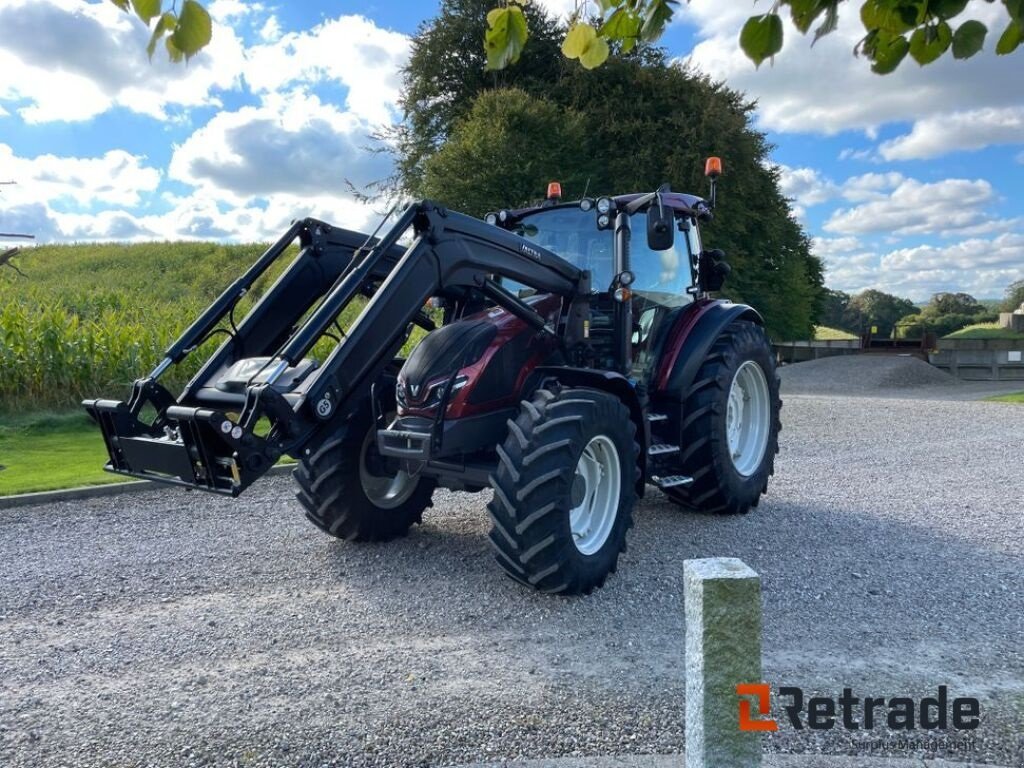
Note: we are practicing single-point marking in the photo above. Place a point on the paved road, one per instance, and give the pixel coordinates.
(174, 628)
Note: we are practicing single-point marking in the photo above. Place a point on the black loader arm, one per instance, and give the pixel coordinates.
(209, 437)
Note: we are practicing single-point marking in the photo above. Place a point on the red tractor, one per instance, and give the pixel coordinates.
(574, 365)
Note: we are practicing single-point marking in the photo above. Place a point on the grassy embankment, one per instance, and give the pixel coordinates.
(984, 331)
(824, 333)
(85, 322)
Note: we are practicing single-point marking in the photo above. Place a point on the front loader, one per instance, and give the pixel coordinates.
(567, 365)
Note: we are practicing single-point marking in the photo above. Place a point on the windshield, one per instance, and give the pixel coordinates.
(662, 277)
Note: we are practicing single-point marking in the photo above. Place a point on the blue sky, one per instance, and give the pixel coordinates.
(912, 183)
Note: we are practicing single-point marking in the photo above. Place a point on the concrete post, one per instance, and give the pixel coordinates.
(723, 649)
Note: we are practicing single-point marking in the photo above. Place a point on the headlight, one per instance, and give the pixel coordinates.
(586, 204)
(491, 218)
(603, 221)
(604, 205)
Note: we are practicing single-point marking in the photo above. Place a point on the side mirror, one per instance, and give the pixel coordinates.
(661, 227)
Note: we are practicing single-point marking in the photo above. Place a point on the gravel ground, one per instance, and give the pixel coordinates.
(169, 628)
(885, 375)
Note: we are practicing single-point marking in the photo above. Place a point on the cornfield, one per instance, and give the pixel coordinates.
(89, 319)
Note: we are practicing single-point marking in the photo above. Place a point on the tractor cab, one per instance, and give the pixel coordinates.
(643, 253)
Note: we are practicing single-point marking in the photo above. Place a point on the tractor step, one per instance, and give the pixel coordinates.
(671, 481)
(653, 417)
(661, 449)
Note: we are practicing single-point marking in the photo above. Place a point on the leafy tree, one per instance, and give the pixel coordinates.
(1014, 297)
(876, 308)
(924, 29)
(675, 119)
(948, 312)
(504, 151)
(833, 309)
(953, 304)
(439, 88)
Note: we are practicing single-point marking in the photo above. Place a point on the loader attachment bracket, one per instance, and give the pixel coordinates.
(194, 447)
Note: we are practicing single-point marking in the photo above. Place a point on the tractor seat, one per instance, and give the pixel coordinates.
(244, 372)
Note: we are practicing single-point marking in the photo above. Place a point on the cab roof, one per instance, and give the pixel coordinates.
(679, 201)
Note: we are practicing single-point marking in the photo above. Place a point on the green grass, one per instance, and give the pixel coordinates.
(1013, 397)
(824, 333)
(47, 451)
(984, 331)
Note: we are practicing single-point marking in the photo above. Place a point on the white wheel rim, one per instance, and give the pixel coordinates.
(748, 418)
(384, 491)
(598, 475)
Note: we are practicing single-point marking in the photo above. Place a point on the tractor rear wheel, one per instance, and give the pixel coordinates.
(564, 490)
(349, 491)
(730, 428)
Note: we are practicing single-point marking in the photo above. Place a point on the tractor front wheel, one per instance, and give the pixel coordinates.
(349, 491)
(730, 424)
(564, 490)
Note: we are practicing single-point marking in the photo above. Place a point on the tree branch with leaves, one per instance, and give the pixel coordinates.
(184, 32)
(925, 30)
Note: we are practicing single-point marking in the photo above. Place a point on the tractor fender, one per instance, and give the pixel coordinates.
(614, 384)
(690, 341)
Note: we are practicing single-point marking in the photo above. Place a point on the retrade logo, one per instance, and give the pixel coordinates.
(853, 713)
(764, 705)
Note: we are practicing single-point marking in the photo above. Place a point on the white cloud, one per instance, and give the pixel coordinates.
(1004, 251)
(560, 9)
(980, 267)
(871, 186)
(29, 219)
(230, 11)
(270, 32)
(975, 129)
(806, 186)
(292, 144)
(918, 208)
(117, 177)
(350, 51)
(824, 89)
(827, 247)
(72, 60)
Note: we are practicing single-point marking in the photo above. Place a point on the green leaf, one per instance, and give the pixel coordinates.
(947, 9)
(596, 54)
(194, 29)
(828, 26)
(805, 12)
(1016, 9)
(888, 54)
(761, 37)
(659, 13)
(580, 36)
(1010, 39)
(173, 52)
(124, 5)
(506, 37)
(968, 39)
(146, 10)
(622, 25)
(164, 24)
(929, 43)
(884, 15)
